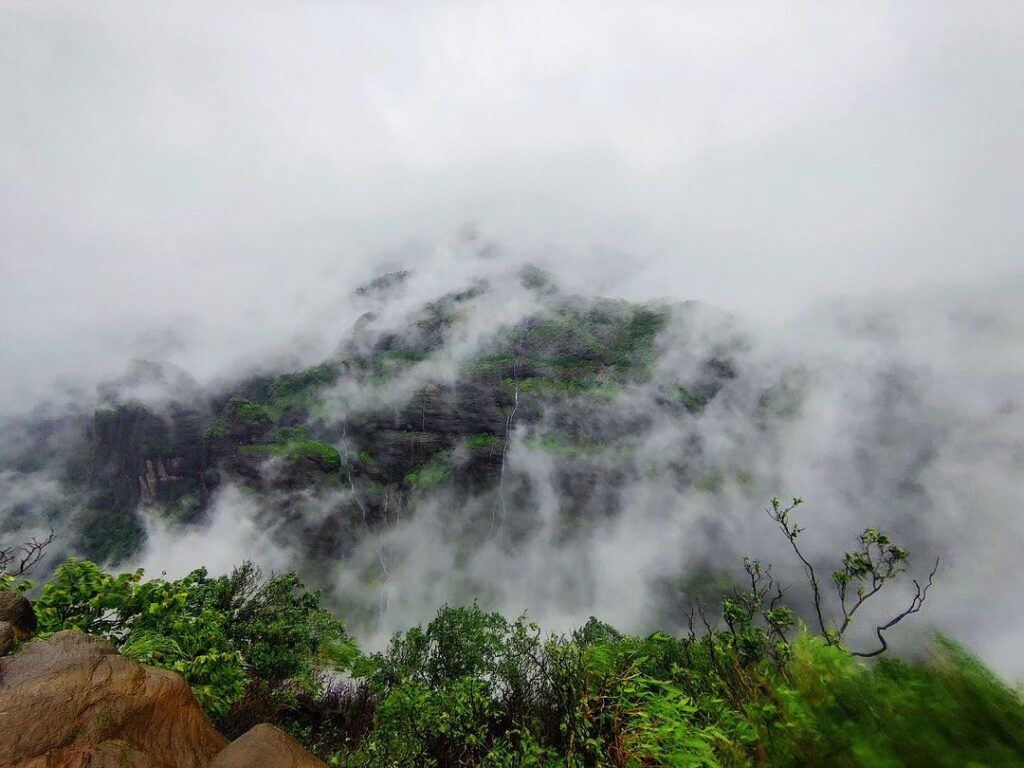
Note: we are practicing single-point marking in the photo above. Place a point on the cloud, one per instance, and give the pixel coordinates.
(207, 184)
(226, 175)
(230, 534)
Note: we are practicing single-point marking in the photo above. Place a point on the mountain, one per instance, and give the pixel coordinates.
(420, 402)
(502, 439)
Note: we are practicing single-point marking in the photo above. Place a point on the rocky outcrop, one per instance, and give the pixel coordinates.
(419, 405)
(73, 700)
(7, 637)
(267, 747)
(16, 611)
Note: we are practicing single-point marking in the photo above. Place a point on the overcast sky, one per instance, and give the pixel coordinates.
(203, 180)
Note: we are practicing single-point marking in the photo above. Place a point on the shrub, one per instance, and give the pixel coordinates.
(224, 635)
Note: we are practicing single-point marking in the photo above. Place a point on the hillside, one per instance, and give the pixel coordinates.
(425, 405)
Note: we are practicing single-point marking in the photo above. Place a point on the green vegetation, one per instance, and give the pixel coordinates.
(230, 637)
(394, 361)
(291, 388)
(110, 531)
(694, 400)
(383, 284)
(546, 387)
(577, 348)
(105, 416)
(746, 687)
(265, 401)
(489, 364)
(215, 431)
(473, 688)
(246, 413)
(561, 446)
(432, 472)
(485, 440)
(297, 450)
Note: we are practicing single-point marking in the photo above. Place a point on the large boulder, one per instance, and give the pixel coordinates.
(265, 747)
(7, 637)
(17, 611)
(73, 701)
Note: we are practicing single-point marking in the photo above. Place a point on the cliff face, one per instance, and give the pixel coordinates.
(134, 456)
(405, 409)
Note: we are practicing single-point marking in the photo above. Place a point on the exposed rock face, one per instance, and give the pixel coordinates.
(72, 700)
(266, 747)
(410, 407)
(17, 611)
(110, 754)
(7, 637)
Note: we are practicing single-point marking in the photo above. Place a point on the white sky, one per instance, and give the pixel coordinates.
(231, 170)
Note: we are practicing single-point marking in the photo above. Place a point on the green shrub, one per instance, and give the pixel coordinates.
(129, 611)
(472, 688)
(432, 472)
(326, 456)
(244, 412)
(486, 440)
(224, 635)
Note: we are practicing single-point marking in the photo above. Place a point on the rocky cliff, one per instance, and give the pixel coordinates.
(414, 404)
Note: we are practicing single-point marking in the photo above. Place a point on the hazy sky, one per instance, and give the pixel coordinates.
(229, 171)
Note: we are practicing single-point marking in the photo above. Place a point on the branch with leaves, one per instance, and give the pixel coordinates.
(865, 571)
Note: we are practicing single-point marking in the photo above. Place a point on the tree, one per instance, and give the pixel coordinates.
(18, 560)
(226, 636)
(865, 571)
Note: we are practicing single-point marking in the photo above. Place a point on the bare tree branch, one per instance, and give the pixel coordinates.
(781, 516)
(17, 561)
(915, 605)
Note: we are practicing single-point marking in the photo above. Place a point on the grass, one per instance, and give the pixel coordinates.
(560, 446)
(545, 387)
(432, 472)
(326, 456)
(485, 440)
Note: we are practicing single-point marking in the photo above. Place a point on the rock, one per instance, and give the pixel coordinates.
(17, 611)
(7, 637)
(73, 701)
(265, 746)
(110, 754)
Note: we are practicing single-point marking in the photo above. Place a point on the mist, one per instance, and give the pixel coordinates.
(837, 186)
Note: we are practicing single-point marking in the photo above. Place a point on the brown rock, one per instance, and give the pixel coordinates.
(7, 637)
(72, 701)
(265, 747)
(17, 611)
(109, 754)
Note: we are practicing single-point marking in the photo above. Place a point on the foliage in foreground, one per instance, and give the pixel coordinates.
(473, 688)
(233, 637)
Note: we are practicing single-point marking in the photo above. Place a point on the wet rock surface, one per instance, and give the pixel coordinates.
(267, 747)
(72, 701)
